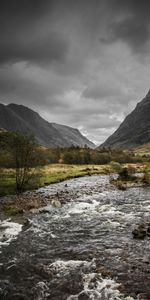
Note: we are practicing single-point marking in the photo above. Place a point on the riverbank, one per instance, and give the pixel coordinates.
(54, 173)
(12, 204)
(32, 201)
(49, 174)
(17, 206)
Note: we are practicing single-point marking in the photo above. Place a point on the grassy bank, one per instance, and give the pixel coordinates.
(128, 177)
(55, 173)
(45, 175)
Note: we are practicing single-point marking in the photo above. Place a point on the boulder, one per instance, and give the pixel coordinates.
(56, 203)
(141, 231)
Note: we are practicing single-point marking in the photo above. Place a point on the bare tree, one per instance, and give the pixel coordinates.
(23, 152)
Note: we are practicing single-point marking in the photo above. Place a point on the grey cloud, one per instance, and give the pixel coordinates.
(72, 60)
(130, 24)
(25, 36)
(25, 85)
(41, 31)
(135, 33)
(43, 49)
(98, 91)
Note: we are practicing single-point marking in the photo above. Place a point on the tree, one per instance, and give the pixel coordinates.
(23, 151)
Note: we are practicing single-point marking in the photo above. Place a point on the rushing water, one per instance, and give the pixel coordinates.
(82, 250)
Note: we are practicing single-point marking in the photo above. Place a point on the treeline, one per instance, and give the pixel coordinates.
(79, 156)
(43, 156)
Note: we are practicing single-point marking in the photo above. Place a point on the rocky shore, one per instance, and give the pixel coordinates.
(19, 205)
(35, 201)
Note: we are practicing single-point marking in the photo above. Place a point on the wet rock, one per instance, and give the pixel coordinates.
(12, 269)
(121, 186)
(34, 210)
(56, 203)
(26, 222)
(83, 296)
(104, 271)
(4, 238)
(139, 234)
(142, 296)
(44, 211)
(141, 231)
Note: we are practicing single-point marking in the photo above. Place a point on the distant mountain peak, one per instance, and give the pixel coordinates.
(134, 130)
(14, 117)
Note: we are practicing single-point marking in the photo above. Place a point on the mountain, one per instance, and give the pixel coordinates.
(15, 117)
(134, 130)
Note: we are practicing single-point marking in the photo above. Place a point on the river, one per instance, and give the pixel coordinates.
(82, 250)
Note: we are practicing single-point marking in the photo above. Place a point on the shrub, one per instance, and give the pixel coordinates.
(116, 166)
(124, 174)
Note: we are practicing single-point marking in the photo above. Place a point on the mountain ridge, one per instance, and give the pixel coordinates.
(14, 117)
(134, 130)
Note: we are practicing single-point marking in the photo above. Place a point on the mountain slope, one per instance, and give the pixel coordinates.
(134, 130)
(15, 117)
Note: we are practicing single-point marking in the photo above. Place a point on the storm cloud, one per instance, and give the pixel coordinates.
(76, 62)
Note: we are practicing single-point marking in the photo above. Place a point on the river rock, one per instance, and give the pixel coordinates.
(56, 203)
(142, 296)
(141, 231)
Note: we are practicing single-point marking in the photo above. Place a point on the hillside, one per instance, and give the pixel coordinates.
(143, 150)
(134, 131)
(15, 117)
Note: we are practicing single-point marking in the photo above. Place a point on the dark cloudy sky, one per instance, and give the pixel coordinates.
(84, 63)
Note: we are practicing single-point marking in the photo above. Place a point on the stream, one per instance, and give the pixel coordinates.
(82, 250)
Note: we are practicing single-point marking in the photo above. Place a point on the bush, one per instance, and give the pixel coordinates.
(124, 174)
(116, 166)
